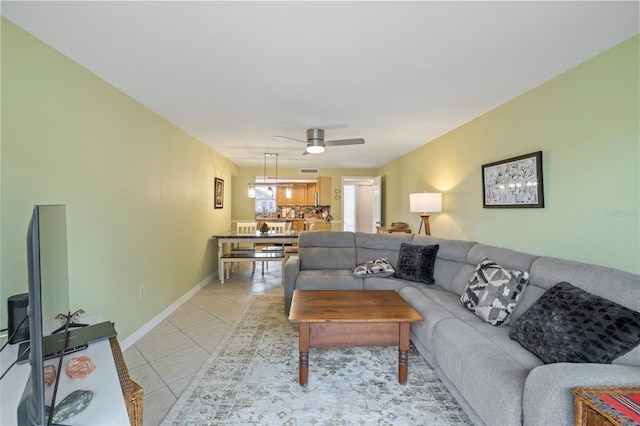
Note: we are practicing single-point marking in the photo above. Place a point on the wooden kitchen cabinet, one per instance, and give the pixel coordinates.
(297, 225)
(281, 196)
(311, 192)
(323, 187)
(300, 194)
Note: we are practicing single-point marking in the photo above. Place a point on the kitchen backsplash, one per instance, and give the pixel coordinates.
(297, 212)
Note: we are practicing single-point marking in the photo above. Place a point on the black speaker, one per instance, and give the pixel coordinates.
(18, 321)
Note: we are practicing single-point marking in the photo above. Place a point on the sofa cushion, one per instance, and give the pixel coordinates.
(374, 268)
(493, 291)
(325, 279)
(416, 263)
(374, 246)
(327, 250)
(484, 373)
(567, 324)
(427, 301)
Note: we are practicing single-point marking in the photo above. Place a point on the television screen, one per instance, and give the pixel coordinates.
(48, 296)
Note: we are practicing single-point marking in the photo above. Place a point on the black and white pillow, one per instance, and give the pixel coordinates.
(380, 268)
(493, 291)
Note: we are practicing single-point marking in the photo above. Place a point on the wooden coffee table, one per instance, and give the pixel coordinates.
(350, 318)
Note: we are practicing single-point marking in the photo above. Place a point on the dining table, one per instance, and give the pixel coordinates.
(270, 237)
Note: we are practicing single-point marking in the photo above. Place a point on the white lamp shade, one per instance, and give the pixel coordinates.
(425, 202)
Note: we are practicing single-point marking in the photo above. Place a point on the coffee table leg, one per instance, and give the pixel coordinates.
(304, 353)
(403, 353)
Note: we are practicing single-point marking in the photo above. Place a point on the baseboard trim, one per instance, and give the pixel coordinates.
(133, 338)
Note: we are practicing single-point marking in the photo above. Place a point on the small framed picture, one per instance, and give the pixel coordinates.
(219, 193)
(515, 182)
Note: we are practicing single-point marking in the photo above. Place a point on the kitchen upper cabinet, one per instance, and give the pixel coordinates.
(281, 196)
(311, 192)
(300, 194)
(323, 187)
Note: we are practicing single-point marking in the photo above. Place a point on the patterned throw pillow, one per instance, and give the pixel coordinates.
(493, 291)
(416, 263)
(567, 324)
(380, 268)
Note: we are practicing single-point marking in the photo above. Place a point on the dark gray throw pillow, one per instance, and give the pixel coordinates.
(568, 324)
(416, 263)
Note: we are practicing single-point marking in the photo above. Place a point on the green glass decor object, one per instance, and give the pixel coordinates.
(72, 404)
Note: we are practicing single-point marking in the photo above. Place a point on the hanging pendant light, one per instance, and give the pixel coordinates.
(264, 176)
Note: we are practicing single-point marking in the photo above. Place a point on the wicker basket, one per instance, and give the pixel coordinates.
(132, 392)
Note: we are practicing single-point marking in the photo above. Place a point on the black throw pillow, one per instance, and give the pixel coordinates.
(568, 324)
(416, 262)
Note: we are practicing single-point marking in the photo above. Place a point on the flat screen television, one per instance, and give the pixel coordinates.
(48, 295)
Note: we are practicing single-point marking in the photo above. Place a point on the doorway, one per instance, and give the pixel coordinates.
(361, 204)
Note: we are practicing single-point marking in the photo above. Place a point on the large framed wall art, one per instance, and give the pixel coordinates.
(514, 182)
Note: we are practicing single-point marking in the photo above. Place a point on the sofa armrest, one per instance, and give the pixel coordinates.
(291, 270)
(548, 397)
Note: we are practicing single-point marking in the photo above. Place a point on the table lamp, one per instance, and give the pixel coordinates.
(425, 202)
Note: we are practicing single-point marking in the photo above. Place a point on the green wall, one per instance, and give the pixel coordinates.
(138, 191)
(586, 122)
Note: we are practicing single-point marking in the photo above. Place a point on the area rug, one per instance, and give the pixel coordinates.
(253, 379)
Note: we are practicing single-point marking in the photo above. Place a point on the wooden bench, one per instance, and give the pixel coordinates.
(228, 258)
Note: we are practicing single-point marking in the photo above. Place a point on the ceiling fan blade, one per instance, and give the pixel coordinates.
(292, 139)
(358, 141)
(305, 152)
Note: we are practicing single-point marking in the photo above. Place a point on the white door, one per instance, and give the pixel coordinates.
(376, 205)
(364, 209)
(362, 203)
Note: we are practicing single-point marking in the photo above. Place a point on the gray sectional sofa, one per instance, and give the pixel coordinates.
(495, 379)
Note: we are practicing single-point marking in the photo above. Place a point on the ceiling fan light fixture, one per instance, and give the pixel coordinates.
(315, 148)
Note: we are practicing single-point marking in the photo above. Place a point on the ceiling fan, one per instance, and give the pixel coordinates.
(316, 143)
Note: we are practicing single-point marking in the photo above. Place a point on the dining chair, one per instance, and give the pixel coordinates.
(278, 228)
(245, 228)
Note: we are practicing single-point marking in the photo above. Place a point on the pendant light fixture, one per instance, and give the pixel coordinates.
(251, 192)
(264, 177)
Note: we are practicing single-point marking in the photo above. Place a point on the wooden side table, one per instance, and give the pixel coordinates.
(590, 410)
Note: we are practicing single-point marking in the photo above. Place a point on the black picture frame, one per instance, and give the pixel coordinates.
(513, 183)
(218, 194)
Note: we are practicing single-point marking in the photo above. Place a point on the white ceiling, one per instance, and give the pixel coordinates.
(397, 74)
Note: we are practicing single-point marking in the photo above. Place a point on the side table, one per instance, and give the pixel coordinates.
(131, 391)
(607, 406)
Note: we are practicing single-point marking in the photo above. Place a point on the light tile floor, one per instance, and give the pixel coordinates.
(165, 359)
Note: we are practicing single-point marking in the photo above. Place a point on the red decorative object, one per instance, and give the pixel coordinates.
(629, 404)
(79, 367)
(49, 375)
